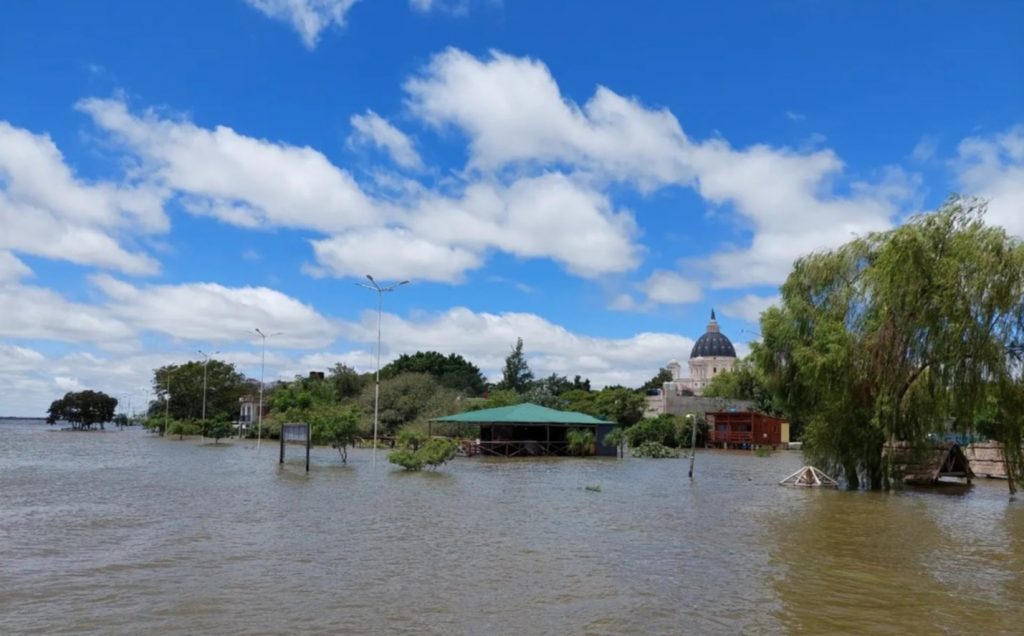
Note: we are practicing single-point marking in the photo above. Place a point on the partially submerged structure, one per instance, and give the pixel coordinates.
(924, 466)
(530, 429)
(810, 477)
(746, 429)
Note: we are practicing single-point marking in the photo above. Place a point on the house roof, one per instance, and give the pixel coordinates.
(523, 414)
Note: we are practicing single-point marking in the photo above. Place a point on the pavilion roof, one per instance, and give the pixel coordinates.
(524, 414)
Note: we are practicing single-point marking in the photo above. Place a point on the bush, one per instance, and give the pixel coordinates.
(661, 429)
(416, 451)
(217, 429)
(654, 450)
(581, 441)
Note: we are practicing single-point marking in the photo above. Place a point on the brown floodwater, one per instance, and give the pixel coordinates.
(119, 532)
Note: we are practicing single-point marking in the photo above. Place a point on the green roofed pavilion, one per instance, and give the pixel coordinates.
(528, 429)
(525, 415)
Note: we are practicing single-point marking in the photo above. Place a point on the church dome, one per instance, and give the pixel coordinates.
(713, 343)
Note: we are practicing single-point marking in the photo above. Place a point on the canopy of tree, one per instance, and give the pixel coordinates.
(82, 409)
(516, 376)
(451, 371)
(183, 386)
(897, 335)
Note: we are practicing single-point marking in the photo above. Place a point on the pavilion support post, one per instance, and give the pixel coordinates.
(547, 440)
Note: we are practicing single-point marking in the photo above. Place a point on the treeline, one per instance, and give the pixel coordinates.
(414, 389)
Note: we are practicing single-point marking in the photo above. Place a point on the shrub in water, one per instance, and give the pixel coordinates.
(654, 450)
(581, 441)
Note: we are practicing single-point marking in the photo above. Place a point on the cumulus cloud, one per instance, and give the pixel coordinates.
(308, 17)
(993, 167)
(513, 111)
(750, 307)
(47, 211)
(486, 338)
(214, 313)
(394, 254)
(669, 288)
(239, 179)
(374, 130)
(514, 115)
(41, 313)
(11, 268)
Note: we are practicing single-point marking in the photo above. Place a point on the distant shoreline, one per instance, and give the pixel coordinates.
(12, 417)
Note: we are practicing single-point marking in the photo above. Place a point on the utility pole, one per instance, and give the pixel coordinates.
(263, 359)
(206, 362)
(376, 389)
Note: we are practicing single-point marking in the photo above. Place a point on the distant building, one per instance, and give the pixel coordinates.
(712, 354)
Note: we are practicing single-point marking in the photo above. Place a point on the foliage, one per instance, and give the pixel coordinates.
(897, 335)
(764, 451)
(303, 393)
(653, 450)
(617, 438)
(580, 441)
(516, 375)
(339, 427)
(743, 382)
(684, 434)
(181, 428)
(217, 428)
(663, 376)
(82, 409)
(416, 451)
(496, 398)
(662, 429)
(451, 371)
(614, 403)
(347, 381)
(409, 398)
(182, 384)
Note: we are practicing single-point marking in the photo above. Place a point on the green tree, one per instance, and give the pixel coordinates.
(303, 393)
(663, 376)
(663, 429)
(217, 428)
(451, 371)
(347, 381)
(409, 398)
(897, 335)
(617, 438)
(580, 441)
(416, 451)
(744, 381)
(516, 374)
(182, 384)
(82, 409)
(340, 427)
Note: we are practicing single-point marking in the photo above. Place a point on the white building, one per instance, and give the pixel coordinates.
(712, 354)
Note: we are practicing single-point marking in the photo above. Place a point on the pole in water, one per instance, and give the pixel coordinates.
(693, 441)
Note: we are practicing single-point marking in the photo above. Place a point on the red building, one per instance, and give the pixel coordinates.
(746, 429)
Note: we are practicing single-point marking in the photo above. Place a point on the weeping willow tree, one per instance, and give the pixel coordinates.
(898, 335)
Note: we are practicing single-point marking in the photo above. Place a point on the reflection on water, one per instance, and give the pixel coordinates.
(121, 533)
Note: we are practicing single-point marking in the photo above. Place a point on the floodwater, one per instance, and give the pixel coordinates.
(118, 532)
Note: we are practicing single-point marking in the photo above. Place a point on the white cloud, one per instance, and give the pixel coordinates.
(750, 307)
(513, 111)
(44, 314)
(795, 116)
(394, 254)
(11, 268)
(308, 17)
(373, 129)
(239, 179)
(214, 313)
(486, 338)
(46, 211)
(993, 167)
(669, 288)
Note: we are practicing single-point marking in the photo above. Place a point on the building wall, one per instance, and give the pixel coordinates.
(683, 404)
(703, 369)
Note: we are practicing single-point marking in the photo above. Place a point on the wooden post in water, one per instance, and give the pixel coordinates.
(281, 460)
(693, 440)
(309, 438)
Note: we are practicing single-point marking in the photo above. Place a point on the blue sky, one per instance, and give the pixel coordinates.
(591, 176)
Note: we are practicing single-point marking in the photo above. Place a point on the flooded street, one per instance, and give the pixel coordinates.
(123, 533)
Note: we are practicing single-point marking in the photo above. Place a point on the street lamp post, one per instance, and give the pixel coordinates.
(206, 361)
(263, 359)
(376, 389)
